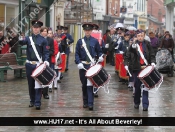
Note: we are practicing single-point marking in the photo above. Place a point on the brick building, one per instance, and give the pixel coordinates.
(156, 15)
(113, 10)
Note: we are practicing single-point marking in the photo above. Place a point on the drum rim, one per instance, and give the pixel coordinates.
(103, 83)
(40, 71)
(155, 84)
(94, 73)
(147, 73)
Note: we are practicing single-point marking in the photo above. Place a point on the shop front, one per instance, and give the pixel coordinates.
(142, 23)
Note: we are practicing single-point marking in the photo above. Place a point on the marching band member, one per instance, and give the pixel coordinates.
(53, 60)
(83, 61)
(32, 61)
(133, 63)
(69, 40)
(59, 37)
(110, 40)
(50, 47)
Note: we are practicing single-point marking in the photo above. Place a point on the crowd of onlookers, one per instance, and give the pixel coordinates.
(8, 43)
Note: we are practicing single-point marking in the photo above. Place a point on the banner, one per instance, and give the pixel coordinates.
(87, 121)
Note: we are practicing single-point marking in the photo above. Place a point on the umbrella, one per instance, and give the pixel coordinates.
(119, 25)
(116, 25)
(131, 28)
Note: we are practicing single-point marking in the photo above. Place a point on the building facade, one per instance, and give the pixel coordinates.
(9, 10)
(156, 16)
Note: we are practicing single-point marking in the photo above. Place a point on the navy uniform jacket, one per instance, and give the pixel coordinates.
(41, 46)
(70, 41)
(120, 45)
(80, 53)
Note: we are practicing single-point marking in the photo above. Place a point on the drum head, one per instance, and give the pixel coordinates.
(92, 70)
(38, 70)
(145, 71)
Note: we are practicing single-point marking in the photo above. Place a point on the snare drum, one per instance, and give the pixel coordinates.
(97, 75)
(150, 77)
(43, 74)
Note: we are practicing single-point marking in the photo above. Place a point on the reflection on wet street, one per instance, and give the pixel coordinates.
(66, 101)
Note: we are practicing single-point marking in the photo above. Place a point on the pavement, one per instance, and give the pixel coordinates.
(66, 101)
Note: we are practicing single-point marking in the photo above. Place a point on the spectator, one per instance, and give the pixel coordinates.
(1, 40)
(105, 35)
(146, 37)
(13, 41)
(154, 42)
(168, 43)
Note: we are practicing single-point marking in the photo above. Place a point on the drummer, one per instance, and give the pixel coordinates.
(135, 62)
(32, 61)
(83, 61)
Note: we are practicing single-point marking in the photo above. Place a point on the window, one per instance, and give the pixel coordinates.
(2, 16)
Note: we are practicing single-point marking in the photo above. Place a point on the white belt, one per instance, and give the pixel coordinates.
(85, 62)
(32, 62)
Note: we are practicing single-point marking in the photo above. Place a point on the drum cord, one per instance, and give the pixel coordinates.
(105, 87)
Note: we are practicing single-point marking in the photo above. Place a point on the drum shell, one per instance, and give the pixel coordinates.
(45, 76)
(151, 79)
(100, 78)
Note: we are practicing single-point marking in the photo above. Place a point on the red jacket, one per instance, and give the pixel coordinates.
(56, 50)
(104, 38)
(5, 49)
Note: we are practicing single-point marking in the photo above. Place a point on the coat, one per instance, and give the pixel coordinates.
(132, 57)
(56, 50)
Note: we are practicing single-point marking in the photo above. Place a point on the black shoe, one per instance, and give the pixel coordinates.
(130, 88)
(85, 106)
(66, 70)
(31, 105)
(133, 94)
(90, 107)
(59, 81)
(37, 107)
(55, 88)
(61, 77)
(136, 106)
(50, 90)
(46, 96)
(145, 109)
(96, 95)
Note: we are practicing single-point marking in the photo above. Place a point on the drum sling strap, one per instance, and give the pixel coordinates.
(34, 49)
(87, 52)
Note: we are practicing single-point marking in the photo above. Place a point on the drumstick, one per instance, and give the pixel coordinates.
(129, 73)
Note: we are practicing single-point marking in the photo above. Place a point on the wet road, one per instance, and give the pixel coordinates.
(66, 101)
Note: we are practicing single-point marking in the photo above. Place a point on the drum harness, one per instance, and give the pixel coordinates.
(92, 60)
(145, 61)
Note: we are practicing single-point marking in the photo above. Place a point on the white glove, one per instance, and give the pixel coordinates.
(126, 67)
(20, 38)
(107, 46)
(46, 62)
(80, 66)
(100, 59)
(121, 52)
(134, 46)
(153, 64)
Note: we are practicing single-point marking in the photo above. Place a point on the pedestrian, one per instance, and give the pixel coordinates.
(83, 61)
(168, 43)
(154, 42)
(35, 89)
(50, 47)
(53, 60)
(133, 63)
(1, 39)
(69, 40)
